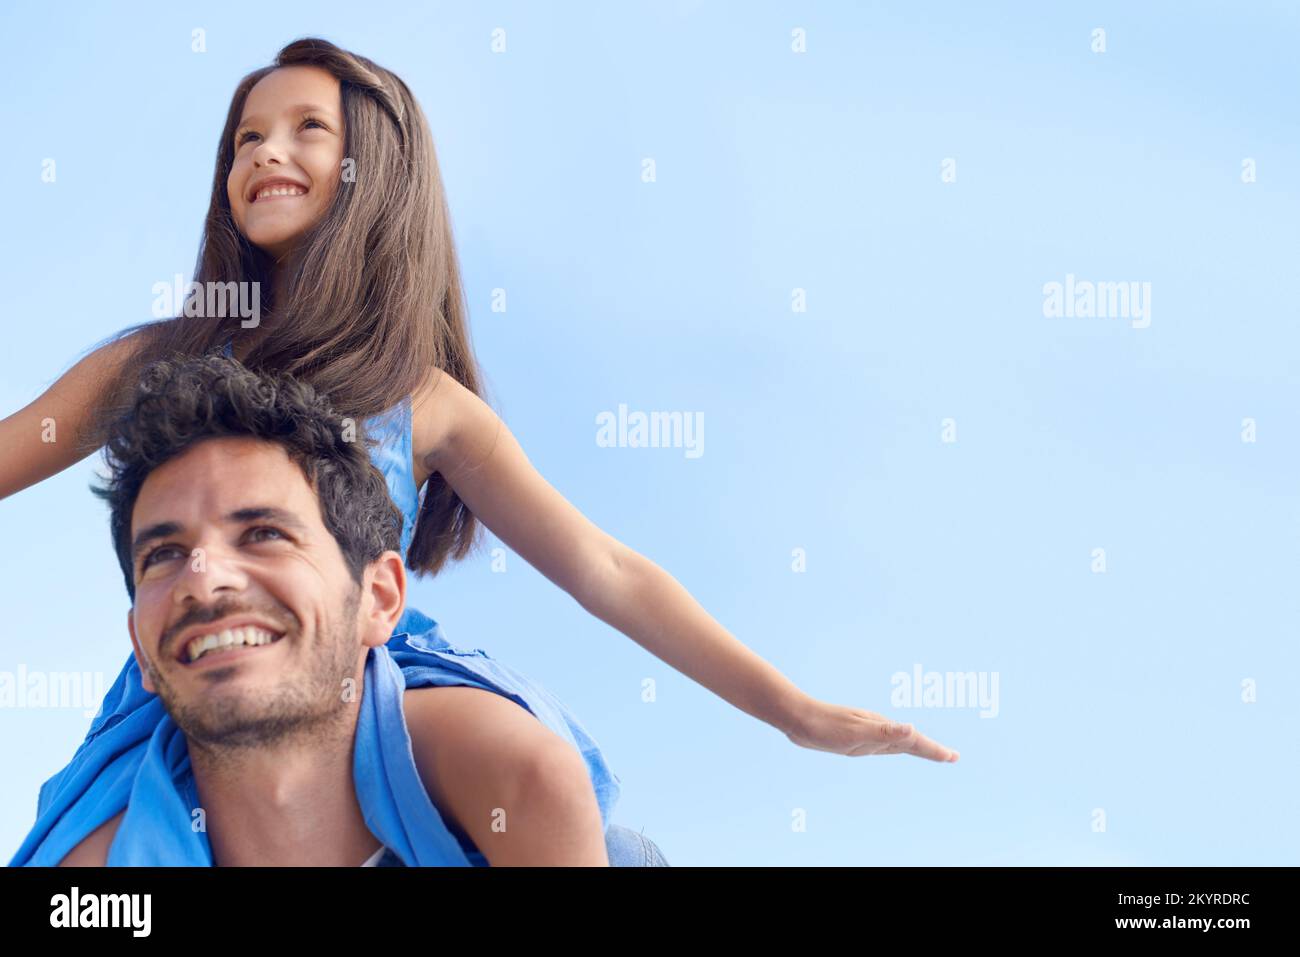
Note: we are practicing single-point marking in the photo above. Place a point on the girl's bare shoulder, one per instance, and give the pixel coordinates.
(439, 409)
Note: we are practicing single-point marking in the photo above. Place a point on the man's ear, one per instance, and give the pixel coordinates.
(145, 680)
(383, 598)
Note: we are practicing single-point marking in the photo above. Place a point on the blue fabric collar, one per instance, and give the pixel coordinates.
(159, 828)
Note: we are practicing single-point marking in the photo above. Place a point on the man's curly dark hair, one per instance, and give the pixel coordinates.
(180, 402)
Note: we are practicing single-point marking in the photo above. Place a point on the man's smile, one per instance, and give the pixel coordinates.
(226, 643)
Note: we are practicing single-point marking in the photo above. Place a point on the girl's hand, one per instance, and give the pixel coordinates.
(45, 437)
(852, 731)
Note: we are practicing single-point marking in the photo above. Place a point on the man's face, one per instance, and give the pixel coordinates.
(229, 533)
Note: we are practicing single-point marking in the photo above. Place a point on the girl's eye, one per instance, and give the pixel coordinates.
(243, 137)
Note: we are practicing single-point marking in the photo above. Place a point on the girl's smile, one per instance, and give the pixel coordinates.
(275, 187)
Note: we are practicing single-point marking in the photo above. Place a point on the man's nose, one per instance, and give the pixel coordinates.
(209, 571)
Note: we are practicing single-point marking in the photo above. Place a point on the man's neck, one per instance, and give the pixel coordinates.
(290, 804)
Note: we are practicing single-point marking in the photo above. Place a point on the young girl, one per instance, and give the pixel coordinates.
(327, 195)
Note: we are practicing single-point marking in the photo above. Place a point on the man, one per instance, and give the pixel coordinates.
(261, 550)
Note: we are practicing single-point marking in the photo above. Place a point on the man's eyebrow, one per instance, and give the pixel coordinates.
(300, 108)
(150, 534)
(240, 516)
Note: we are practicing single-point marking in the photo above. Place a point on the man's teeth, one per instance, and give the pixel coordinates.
(250, 635)
(280, 191)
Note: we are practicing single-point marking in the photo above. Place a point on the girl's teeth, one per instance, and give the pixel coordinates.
(281, 191)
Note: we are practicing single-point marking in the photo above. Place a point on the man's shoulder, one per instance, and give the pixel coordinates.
(428, 708)
(440, 720)
(93, 850)
(415, 709)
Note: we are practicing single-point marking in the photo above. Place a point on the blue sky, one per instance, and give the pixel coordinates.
(1119, 692)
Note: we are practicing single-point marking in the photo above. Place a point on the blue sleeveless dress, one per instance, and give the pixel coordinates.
(129, 714)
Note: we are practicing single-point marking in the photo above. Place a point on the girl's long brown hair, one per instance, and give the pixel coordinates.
(373, 297)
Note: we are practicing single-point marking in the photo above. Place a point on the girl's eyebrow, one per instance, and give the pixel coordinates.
(301, 108)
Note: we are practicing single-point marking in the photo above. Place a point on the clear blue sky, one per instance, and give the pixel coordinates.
(776, 171)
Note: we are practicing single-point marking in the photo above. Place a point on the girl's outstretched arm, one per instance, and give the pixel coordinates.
(43, 438)
(459, 436)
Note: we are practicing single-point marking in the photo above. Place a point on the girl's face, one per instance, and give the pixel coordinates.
(289, 141)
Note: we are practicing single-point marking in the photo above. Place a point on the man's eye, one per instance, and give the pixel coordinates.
(148, 559)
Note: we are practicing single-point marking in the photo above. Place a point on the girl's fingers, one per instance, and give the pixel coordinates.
(923, 747)
(905, 739)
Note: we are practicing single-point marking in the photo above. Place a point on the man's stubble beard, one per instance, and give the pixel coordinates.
(307, 706)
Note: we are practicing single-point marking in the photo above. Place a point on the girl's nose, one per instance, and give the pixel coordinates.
(267, 152)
